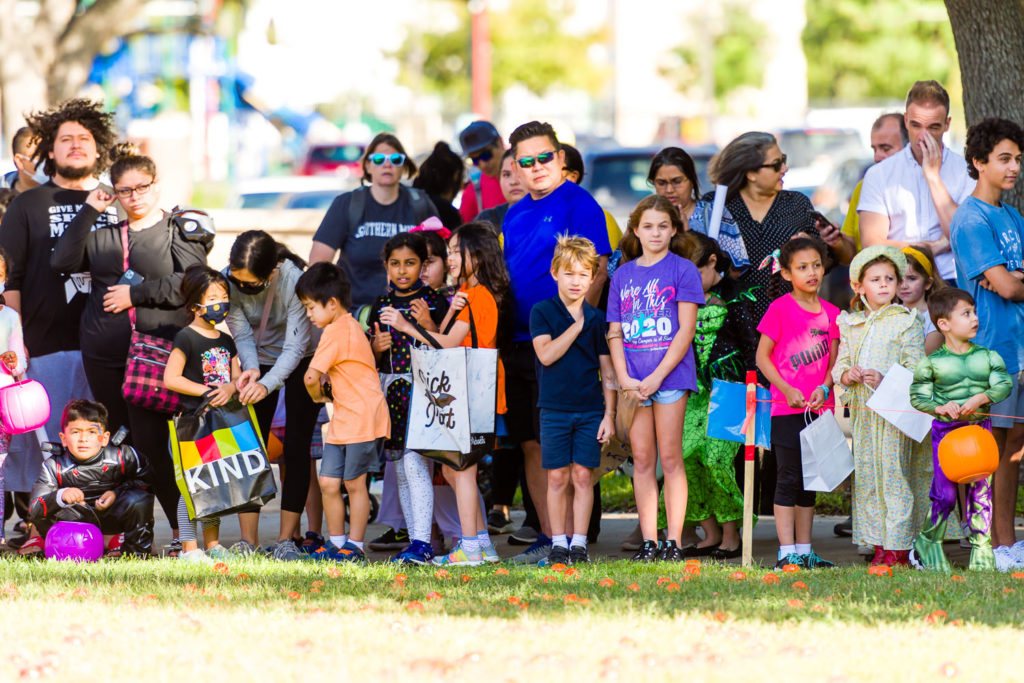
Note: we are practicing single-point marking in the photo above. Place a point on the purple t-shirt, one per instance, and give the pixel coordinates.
(643, 299)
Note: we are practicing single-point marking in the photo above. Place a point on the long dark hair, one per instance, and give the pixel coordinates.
(778, 285)
(441, 173)
(478, 241)
(630, 243)
(259, 253)
(676, 156)
(197, 279)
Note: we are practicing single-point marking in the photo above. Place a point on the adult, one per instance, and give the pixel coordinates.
(158, 252)
(73, 139)
(910, 198)
(511, 189)
(483, 147)
(575, 171)
(24, 176)
(361, 221)
(673, 175)
(986, 237)
(275, 343)
(552, 207)
(440, 177)
(888, 136)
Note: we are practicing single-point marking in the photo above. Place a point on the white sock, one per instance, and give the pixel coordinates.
(803, 548)
(358, 544)
(786, 550)
(560, 541)
(470, 544)
(483, 538)
(579, 540)
(339, 541)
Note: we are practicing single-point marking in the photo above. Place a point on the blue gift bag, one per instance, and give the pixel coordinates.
(727, 409)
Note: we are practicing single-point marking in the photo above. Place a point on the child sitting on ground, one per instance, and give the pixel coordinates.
(93, 480)
(953, 384)
(344, 372)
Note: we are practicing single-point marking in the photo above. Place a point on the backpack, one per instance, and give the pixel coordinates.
(422, 208)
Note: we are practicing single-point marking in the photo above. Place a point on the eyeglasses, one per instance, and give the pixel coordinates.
(250, 288)
(483, 156)
(395, 159)
(542, 158)
(665, 184)
(775, 165)
(126, 192)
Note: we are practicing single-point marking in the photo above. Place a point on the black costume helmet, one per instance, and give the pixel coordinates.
(195, 225)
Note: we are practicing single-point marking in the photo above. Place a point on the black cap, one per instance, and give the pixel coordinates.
(477, 136)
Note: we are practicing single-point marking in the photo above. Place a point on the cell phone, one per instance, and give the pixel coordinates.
(130, 277)
(819, 216)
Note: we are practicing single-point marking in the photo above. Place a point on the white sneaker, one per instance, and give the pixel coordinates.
(1005, 560)
(490, 554)
(197, 556)
(866, 550)
(1017, 552)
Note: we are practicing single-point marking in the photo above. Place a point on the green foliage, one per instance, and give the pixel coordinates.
(859, 49)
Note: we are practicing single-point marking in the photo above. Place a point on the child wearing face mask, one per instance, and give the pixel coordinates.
(203, 363)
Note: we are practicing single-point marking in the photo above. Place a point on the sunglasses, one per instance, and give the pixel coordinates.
(543, 158)
(379, 159)
(250, 288)
(484, 156)
(775, 165)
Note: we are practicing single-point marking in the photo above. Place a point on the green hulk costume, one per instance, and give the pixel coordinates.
(942, 377)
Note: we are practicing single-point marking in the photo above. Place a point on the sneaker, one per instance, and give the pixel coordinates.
(32, 546)
(866, 550)
(391, 539)
(648, 552)
(499, 523)
(459, 558)
(312, 541)
(244, 549)
(813, 560)
(1017, 552)
(219, 553)
(524, 535)
(324, 553)
(196, 556)
(1005, 561)
(490, 554)
(558, 555)
(792, 558)
(670, 552)
(349, 552)
(634, 540)
(844, 529)
(534, 554)
(578, 555)
(418, 552)
(285, 550)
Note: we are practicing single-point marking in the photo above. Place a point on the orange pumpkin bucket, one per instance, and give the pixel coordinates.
(968, 454)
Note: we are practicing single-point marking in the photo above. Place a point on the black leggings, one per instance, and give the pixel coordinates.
(301, 413)
(789, 483)
(147, 432)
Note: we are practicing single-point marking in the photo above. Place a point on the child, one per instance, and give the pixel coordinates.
(203, 363)
(343, 371)
(892, 477)
(724, 347)
(475, 261)
(918, 285)
(92, 480)
(953, 384)
(652, 308)
(435, 269)
(796, 353)
(12, 365)
(404, 256)
(575, 418)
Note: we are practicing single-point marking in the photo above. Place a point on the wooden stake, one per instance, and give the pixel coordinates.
(748, 471)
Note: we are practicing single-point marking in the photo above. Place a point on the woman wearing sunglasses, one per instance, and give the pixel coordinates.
(358, 223)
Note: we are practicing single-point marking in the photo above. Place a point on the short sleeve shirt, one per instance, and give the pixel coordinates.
(984, 236)
(484, 308)
(573, 382)
(360, 411)
(207, 360)
(895, 187)
(803, 341)
(644, 301)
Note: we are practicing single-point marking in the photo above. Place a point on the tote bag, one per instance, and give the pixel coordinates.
(824, 453)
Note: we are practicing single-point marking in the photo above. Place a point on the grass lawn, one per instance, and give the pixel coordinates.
(262, 620)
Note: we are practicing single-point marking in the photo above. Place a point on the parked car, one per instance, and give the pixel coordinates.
(340, 158)
(812, 153)
(289, 192)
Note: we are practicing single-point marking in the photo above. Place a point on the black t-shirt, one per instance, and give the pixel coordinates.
(449, 215)
(51, 302)
(397, 359)
(158, 253)
(573, 382)
(361, 245)
(207, 360)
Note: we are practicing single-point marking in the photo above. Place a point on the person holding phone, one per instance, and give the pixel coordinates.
(158, 252)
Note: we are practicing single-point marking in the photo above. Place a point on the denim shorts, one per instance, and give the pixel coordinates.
(567, 438)
(664, 397)
(350, 460)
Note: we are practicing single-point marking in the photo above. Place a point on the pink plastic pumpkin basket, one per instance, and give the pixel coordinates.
(24, 406)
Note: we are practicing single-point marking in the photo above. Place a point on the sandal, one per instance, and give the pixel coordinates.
(174, 548)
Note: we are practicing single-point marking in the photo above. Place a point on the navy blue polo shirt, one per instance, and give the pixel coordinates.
(573, 382)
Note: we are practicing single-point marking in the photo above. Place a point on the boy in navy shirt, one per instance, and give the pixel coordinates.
(575, 419)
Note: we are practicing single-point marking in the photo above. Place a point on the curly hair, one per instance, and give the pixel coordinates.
(630, 243)
(780, 286)
(983, 137)
(88, 113)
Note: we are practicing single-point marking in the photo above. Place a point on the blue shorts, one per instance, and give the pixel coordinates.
(567, 438)
(664, 397)
(350, 460)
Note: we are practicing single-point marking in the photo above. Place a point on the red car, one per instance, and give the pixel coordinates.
(334, 159)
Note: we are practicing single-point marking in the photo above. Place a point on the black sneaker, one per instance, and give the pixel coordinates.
(392, 539)
(578, 555)
(844, 529)
(557, 555)
(648, 552)
(499, 523)
(792, 558)
(524, 535)
(670, 552)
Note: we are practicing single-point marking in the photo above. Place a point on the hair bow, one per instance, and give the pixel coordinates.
(433, 224)
(773, 259)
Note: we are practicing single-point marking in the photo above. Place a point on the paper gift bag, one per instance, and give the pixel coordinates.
(825, 454)
(891, 400)
(727, 412)
(220, 460)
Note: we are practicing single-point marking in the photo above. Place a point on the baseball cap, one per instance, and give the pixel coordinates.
(477, 136)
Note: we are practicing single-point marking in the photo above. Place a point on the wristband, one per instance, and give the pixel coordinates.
(825, 389)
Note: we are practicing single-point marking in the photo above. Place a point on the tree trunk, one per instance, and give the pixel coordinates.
(989, 37)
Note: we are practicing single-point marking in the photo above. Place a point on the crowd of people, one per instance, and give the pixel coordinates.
(601, 334)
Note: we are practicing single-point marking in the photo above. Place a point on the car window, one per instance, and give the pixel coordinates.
(622, 179)
(337, 153)
(260, 200)
(804, 147)
(311, 200)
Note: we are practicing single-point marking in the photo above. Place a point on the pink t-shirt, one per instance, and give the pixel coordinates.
(802, 342)
(490, 190)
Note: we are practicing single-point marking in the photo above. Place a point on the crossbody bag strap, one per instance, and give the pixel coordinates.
(124, 250)
(266, 309)
(472, 327)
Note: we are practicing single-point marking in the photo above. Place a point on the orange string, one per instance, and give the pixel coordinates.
(895, 410)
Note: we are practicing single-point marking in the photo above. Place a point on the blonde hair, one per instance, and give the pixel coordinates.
(574, 249)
